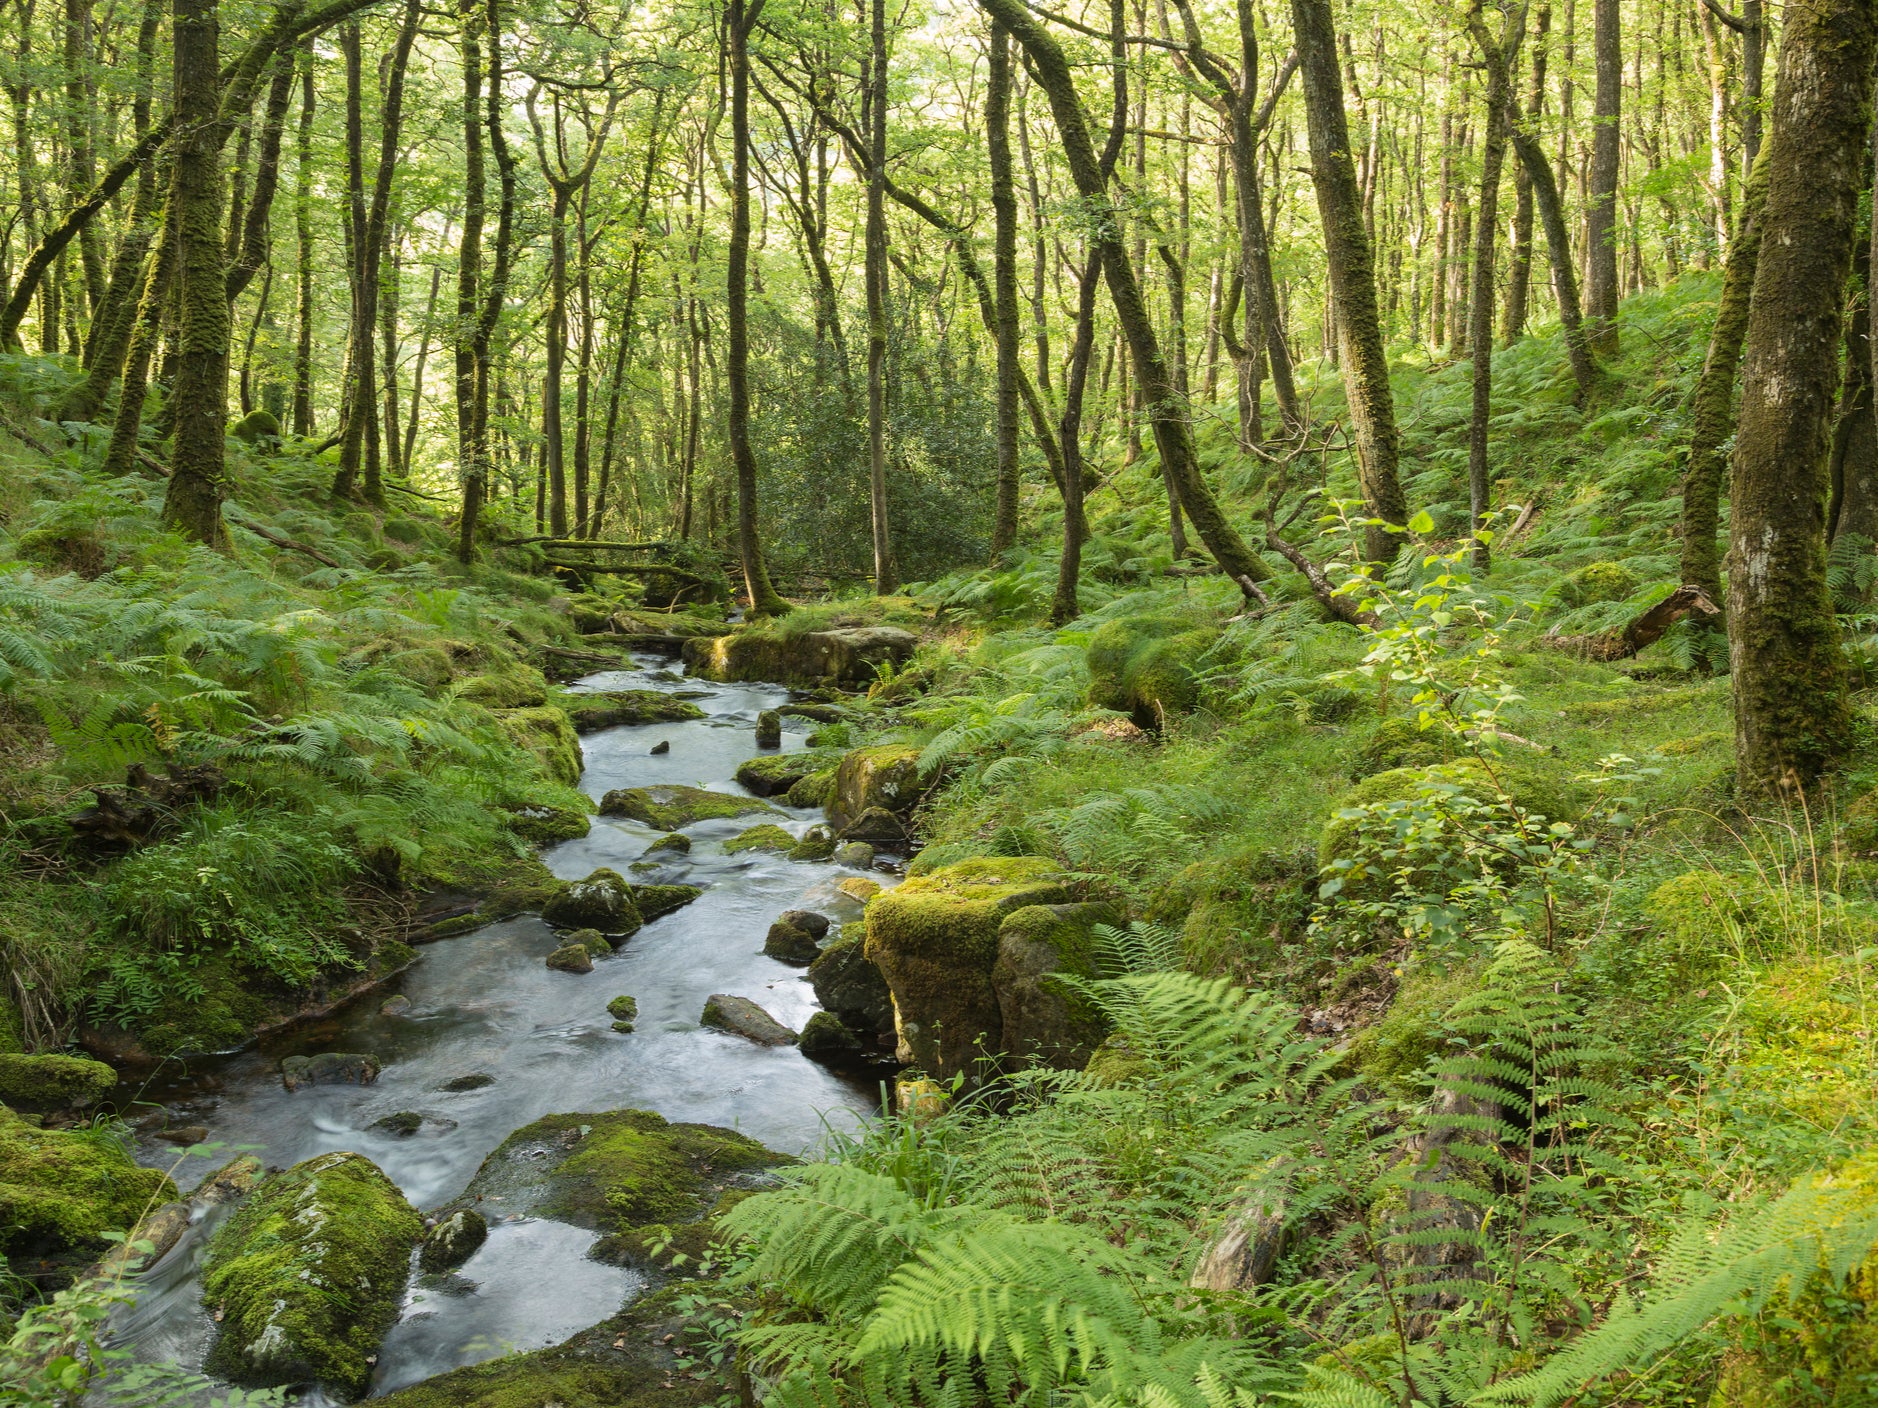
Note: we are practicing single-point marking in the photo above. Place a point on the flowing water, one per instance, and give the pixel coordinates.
(537, 1042)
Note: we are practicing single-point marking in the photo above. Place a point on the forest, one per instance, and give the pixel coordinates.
(1206, 672)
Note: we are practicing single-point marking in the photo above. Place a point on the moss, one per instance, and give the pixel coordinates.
(547, 733)
(627, 706)
(623, 1008)
(657, 901)
(1043, 1020)
(1394, 1051)
(61, 1191)
(519, 688)
(767, 837)
(776, 773)
(839, 655)
(886, 776)
(53, 1082)
(1802, 1055)
(1237, 911)
(544, 826)
(425, 665)
(308, 1276)
(256, 426)
(1143, 666)
(667, 807)
(603, 901)
(935, 939)
(11, 1039)
(818, 843)
(1401, 743)
(815, 790)
(1598, 582)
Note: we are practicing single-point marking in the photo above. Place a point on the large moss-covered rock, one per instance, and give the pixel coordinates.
(935, 940)
(628, 706)
(847, 983)
(1045, 1022)
(61, 1190)
(657, 901)
(602, 901)
(668, 806)
(774, 774)
(547, 733)
(767, 837)
(309, 1275)
(520, 687)
(53, 1082)
(546, 825)
(885, 777)
(1236, 911)
(1145, 666)
(844, 655)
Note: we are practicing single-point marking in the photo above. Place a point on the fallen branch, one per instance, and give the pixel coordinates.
(633, 569)
(1645, 629)
(1341, 607)
(415, 493)
(549, 540)
(288, 543)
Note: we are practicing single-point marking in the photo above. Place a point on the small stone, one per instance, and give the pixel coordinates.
(816, 924)
(767, 837)
(875, 824)
(453, 1241)
(919, 1100)
(571, 958)
(622, 1027)
(769, 729)
(657, 901)
(824, 1038)
(395, 1006)
(475, 1080)
(623, 1007)
(329, 1068)
(856, 854)
(742, 1017)
(817, 843)
(403, 1123)
(664, 745)
(592, 940)
(859, 887)
(674, 841)
(184, 1134)
(788, 944)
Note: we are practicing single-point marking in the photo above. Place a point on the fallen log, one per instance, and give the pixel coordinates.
(1645, 629)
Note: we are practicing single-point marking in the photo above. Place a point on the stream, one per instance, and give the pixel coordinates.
(483, 1005)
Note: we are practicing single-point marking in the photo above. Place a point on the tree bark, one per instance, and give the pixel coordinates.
(1352, 277)
(886, 577)
(1852, 512)
(303, 247)
(472, 453)
(740, 18)
(193, 503)
(1558, 244)
(1172, 431)
(1519, 280)
(1792, 722)
(1710, 407)
(1004, 283)
(120, 457)
(251, 253)
(1601, 207)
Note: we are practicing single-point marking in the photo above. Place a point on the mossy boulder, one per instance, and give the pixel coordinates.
(767, 837)
(849, 655)
(741, 1017)
(668, 806)
(672, 843)
(791, 944)
(547, 734)
(309, 1275)
(1044, 1021)
(885, 777)
(624, 1010)
(1237, 911)
(774, 774)
(1394, 1052)
(1146, 666)
(62, 1191)
(571, 958)
(826, 1038)
(817, 789)
(544, 826)
(453, 1241)
(847, 983)
(1598, 582)
(935, 941)
(521, 687)
(1402, 743)
(329, 1068)
(256, 427)
(657, 901)
(817, 843)
(627, 706)
(602, 901)
(53, 1082)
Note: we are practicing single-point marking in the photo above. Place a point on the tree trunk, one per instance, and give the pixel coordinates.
(552, 447)
(1480, 331)
(1004, 282)
(193, 503)
(1710, 407)
(472, 453)
(120, 457)
(1172, 431)
(1558, 245)
(251, 251)
(303, 246)
(1601, 208)
(1065, 607)
(886, 578)
(1852, 512)
(1519, 280)
(1791, 717)
(1352, 276)
(739, 19)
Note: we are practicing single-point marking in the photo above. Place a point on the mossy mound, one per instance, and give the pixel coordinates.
(1534, 788)
(767, 837)
(935, 940)
(53, 1082)
(544, 826)
(256, 426)
(668, 806)
(1236, 911)
(657, 901)
(1598, 582)
(519, 687)
(1044, 1021)
(547, 733)
(1144, 666)
(602, 901)
(775, 774)
(61, 1191)
(815, 790)
(1402, 743)
(1395, 1051)
(851, 655)
(309, 1274)
(884, 778)
(627, 706)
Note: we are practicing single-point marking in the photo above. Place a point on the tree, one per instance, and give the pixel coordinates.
(1003, 280)
(1791, 717)
(1601, 208)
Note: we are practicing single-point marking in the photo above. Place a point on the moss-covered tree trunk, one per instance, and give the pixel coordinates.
(1504, 51)
(1172, 431)
(739, 18)
(303, 246)
(1519, 276)
(1352, 272)
(1601, 204)
(1791, 716)
(1710, 409)
(1558, 245)
(120, 456)
(1004, 282)
(886, 576)
(1853, 510)
(193, 503)
(471, 454)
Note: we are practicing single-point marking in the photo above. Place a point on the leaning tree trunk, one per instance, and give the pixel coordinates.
(1710, 418)
(1791, 718)
(1352, 276)
(193, 503)
(120, 456)
(1066, 606)
(1004, 282)
(1172, 432)
(1601, 207)
(1558, 245)
(738, 21)
(1519, 279)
